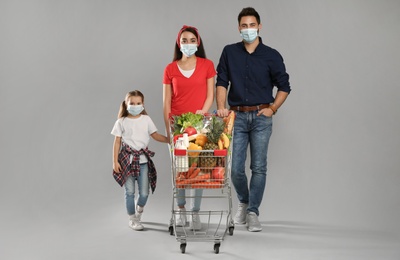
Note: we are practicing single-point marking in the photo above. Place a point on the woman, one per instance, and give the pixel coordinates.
(188, 87)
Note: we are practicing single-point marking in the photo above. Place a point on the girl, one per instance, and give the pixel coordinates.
(131, 157)
(188, 87)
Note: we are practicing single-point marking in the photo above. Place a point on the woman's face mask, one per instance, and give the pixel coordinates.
(135, 110)
(188, 49)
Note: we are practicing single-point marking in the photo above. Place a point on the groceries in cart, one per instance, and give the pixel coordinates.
(200, 145)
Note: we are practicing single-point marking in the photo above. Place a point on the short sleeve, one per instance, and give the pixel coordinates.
(151, 126)
(167, 72)
(117, 129)
(210, 69)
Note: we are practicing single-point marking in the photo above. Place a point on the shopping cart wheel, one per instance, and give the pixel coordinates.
(183, 248)
(216, 248)
(231, 230)
(171, 230)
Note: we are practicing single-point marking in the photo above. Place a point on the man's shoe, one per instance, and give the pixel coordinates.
(240, 217)
(253, 225)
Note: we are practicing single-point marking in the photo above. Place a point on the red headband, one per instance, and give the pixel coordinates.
(178, 39)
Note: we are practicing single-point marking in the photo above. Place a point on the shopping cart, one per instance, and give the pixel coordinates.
(208, 170)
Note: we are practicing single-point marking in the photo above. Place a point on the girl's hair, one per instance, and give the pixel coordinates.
(200, 49)
(123, 111)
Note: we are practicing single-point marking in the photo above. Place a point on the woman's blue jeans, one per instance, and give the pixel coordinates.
(181, 193)
(143, 187)
(196, 201)
(253, 130)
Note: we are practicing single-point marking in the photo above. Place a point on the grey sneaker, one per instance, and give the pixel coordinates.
(240, 217)
(253, 225)
(134, 223)
(196, 222)
(181, 217)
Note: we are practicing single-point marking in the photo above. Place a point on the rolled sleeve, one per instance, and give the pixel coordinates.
(222, 70)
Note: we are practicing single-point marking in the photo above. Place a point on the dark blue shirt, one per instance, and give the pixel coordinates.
(251, 77)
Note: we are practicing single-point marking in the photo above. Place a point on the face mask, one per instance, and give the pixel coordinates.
(188, 49)
(135, 110)
(249, 35)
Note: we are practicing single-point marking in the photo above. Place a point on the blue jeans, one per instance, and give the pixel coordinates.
(196, 201)
(181, 193)
(256, 131)
(143, 186)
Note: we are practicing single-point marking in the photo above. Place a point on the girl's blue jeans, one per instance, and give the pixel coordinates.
(254, 131)
(143, 187)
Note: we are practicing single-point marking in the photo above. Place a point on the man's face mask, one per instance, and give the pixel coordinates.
(249, 35)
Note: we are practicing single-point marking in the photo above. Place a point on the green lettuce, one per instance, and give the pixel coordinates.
(185, 120)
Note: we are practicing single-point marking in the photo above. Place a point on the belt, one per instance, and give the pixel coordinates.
(249, 108)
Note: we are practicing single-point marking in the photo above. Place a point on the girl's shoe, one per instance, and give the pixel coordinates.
(134, 223)
(139, 211)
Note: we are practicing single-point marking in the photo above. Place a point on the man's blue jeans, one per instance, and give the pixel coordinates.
(143, 186)
(256, 131)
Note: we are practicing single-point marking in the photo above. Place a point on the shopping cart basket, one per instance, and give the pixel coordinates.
(194, 168)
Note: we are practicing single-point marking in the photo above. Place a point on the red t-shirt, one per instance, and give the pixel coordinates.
(188, 94)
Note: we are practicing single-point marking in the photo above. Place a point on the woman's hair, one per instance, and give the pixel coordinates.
(200, 49)
(123, 111)
(249, 11)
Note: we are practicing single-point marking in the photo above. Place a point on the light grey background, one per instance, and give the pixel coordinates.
(65, 66)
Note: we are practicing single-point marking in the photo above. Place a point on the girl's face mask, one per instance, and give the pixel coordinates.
(135, 110)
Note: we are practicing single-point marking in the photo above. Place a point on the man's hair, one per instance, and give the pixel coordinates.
(249, 11)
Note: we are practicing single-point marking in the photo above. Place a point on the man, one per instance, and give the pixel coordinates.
(250, 70)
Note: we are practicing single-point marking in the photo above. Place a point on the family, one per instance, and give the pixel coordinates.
(246, 75)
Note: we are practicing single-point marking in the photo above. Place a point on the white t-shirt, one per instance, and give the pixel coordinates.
(135, 132)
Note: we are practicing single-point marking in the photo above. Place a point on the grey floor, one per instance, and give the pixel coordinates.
(103, 234)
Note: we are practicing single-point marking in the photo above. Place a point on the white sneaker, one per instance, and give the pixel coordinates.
(240, 217)
(181, 217)
(139, 211)
(253, 225)
(134, 223)
(196, 222)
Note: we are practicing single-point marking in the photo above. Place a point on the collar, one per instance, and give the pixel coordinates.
(260, 43)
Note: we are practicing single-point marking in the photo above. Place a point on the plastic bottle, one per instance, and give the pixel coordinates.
(186, 140)
(182, 161)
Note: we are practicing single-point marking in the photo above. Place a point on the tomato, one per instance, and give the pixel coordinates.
(190, 130)
(218, 173)
(176, 137)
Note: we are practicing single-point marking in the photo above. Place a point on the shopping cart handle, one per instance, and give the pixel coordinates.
(220, 152)
(180, 152)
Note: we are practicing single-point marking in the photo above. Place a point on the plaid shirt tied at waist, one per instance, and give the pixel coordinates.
(133, 168)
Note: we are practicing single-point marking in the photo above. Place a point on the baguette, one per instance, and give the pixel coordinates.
(229, 122)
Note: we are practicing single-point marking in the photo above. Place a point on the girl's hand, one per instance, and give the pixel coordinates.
(117, 167)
